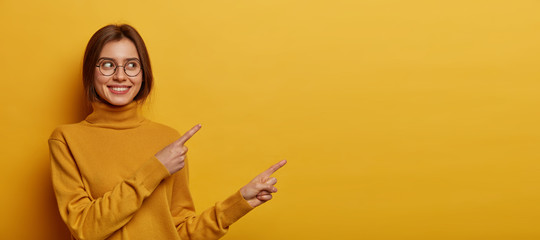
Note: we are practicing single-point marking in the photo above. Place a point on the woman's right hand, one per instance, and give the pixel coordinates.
(173, 155)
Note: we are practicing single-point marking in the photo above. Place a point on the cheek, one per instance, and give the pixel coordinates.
(99, 82)
(138, 82)
(98, 78)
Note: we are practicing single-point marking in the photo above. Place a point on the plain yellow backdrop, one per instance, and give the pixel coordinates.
(400, 119)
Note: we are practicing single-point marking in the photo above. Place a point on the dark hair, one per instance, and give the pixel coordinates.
(93, 49)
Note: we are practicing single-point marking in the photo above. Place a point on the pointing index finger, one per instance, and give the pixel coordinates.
(183, 139)
(273, 168)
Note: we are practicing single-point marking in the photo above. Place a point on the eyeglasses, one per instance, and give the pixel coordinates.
(108, 67)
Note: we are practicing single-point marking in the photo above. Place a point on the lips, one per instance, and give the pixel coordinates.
(119, 89)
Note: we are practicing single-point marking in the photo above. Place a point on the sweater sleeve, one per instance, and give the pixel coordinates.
(212, 223)
(89, 218)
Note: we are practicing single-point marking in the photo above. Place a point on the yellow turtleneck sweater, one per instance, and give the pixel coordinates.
(109, 185)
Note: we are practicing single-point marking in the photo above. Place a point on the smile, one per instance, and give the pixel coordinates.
(119, 89)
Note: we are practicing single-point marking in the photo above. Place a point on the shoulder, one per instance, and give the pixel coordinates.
(60, 132)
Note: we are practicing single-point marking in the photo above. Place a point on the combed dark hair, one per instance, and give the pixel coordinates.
(93, 49)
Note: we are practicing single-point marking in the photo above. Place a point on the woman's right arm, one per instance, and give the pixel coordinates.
(89, 218)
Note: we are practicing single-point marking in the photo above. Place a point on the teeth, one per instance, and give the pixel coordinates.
(120, 89)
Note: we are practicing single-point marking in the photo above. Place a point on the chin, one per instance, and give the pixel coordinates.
(119, 102)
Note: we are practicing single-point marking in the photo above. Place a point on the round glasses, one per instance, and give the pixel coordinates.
(108, 67)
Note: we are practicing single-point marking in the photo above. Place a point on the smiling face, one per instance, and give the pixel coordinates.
(118, 89)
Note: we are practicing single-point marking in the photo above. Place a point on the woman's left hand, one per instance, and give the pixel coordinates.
(260, 189)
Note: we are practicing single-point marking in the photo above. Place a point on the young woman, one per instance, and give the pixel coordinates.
(117, 175)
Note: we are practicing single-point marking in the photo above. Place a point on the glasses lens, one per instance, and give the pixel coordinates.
(132, 68)
(107, 67)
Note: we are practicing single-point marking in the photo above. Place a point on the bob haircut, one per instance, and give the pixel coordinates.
(93, 50)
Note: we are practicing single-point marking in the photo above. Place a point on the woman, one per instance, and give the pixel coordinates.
(117, 175)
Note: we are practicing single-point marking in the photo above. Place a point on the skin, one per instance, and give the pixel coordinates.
(256, 192)
(120, 51)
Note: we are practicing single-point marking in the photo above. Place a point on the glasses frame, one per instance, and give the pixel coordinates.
(116, 66)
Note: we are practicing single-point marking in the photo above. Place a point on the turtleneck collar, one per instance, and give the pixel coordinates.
(107, 116)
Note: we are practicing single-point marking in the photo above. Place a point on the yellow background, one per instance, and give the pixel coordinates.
(400, 119)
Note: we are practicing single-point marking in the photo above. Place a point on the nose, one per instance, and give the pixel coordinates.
(120, 74)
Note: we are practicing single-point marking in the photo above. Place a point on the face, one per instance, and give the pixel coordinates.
(118, 89)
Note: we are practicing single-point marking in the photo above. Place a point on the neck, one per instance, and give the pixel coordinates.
(117, 117)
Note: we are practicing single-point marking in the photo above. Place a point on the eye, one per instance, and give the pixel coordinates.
(132, 65)
(107, 64)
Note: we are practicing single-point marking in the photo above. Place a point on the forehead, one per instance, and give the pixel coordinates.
(121, 49)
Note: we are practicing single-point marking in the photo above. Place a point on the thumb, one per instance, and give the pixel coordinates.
(266, 187)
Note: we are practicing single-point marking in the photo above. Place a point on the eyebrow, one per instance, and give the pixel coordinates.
(107, 58)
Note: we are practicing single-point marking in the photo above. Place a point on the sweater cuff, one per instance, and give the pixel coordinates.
(233, 208)
(151, 173)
